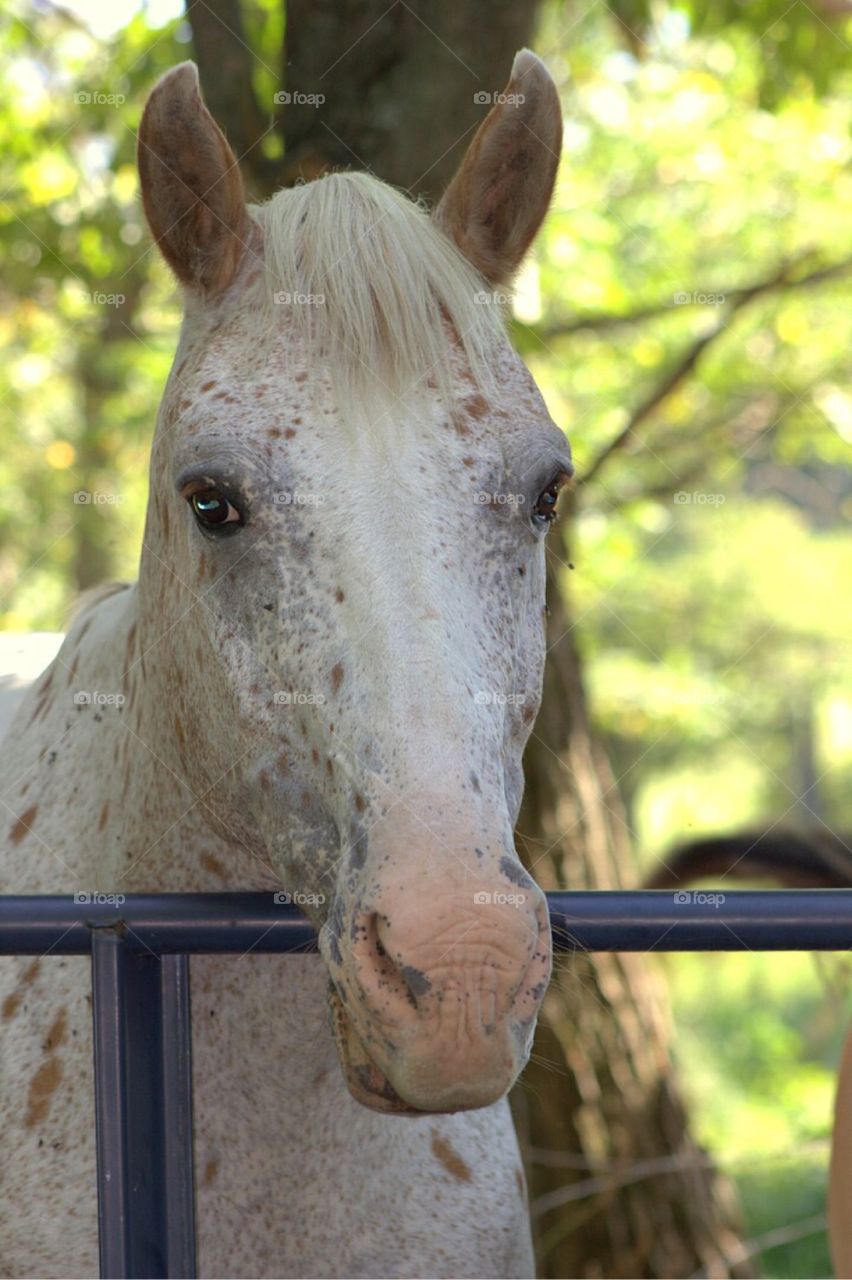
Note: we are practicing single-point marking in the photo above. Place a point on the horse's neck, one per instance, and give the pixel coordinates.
(92, 803)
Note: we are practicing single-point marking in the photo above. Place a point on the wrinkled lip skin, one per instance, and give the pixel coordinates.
(367, 1083)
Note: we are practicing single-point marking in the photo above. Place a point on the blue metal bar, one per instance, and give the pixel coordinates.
(178, 1167)
(143, 1110)
(236, 923)
(142, 1037)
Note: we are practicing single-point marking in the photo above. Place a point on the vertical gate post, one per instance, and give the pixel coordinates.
(143, 1110)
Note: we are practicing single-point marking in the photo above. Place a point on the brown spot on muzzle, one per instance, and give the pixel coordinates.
(447, 1155)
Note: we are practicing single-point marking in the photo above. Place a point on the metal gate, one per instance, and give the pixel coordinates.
(143, 1038)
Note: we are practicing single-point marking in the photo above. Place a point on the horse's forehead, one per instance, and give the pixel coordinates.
(216, 390)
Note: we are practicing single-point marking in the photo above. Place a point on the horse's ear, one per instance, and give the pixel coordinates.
(495, 204)
(192, 191)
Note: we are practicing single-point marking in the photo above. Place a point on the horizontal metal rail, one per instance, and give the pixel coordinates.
(609, 920)
(139, 947)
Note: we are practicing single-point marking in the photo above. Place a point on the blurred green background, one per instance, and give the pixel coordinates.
(689, 298)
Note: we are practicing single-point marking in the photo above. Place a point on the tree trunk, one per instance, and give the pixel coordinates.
(617, 1185)
(364, 84)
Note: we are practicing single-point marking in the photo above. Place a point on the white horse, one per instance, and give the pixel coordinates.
(321, 683)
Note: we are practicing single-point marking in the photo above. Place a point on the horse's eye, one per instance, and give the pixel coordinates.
(544, 511)
(212, 509)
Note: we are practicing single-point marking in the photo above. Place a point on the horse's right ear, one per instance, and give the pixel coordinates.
(192, 191)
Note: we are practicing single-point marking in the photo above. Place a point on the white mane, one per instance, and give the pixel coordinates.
(396, 292)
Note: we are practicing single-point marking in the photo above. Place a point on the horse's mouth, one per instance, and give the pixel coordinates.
(367, 1083)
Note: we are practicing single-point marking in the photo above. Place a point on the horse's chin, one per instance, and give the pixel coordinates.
(367, 1083)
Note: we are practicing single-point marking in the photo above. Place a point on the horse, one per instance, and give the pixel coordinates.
(818, 859)
(320, 685)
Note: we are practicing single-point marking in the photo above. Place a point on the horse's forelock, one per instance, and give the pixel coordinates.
(374, 289)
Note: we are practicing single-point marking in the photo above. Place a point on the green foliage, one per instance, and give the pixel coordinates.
(85, 325)
(758, 1041)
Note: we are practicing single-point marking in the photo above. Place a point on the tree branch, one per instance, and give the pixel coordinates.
(737, 300)
(614, 319)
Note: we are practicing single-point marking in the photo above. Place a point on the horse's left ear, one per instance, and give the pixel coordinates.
(495, 204)
(191, 185)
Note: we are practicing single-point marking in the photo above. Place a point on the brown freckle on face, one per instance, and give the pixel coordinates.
(476, 406)
(208, 386)
(329, 766)
(467, 462)
(301, 377)
(446, 1154)
(211, 1169)
(527, 714)
(102, 820)
(31, 972)
(315, 755)
(263, 779)
(360, 802)
(274, 433)
(224, 395)
(289, 433)
(336, 677)
(22, 826)
(339, 596)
